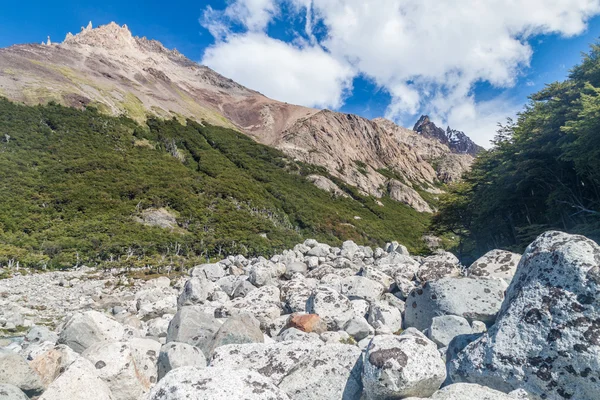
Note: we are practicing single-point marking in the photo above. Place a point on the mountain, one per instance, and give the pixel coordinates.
(117, 73)
(457, 141)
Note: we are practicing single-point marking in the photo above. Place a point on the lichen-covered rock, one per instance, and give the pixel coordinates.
(446, 327)
(10, 392)
(331, 372)
(88, 328)
(496, 264)
(383, 315)
(78, 380)
(238, 329)
(358, 328)
(295, 268)
(396, 264)
(196, 291)
(129, 373)
(15, 370)
(192, 383)
(193, 326)
(359, 287)
(334, 308)
(466, 391)
(546, 339)
(402, 366)
(295, 294)
(438, 266)
(472, 298)
(263, 303)
(274, 361)
(175, 355)
(212, 272)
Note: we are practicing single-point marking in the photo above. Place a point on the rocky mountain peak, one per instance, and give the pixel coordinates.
(457, 141)
(110, 36)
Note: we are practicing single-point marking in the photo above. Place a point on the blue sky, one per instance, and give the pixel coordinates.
(268, 46)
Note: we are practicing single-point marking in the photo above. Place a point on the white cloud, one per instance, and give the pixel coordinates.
(298, 74)
(427, 54)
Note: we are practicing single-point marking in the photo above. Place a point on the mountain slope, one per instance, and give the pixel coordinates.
(83, 187)
(457, 141)
(110, 69)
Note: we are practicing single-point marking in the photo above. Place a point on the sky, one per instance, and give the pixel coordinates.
(469, 64)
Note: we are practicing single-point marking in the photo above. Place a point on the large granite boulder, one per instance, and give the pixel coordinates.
(496, 264)
(477, 299)
(546, 339)
(88, 328)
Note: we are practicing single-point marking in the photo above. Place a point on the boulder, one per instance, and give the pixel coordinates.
(334, 308)
(212, 272)
(10, 392)
(496, 264)
(88, 328)
(295, 268)
(359, 287)
(438, 266)
(472, 298)
(238, 329)
(263, 303)
(51, 364)
(310, 323)
(79, 378)
(358, 328)
(175, 355)
(398, 264)
(14, 370)
(192, 326)
(273, 361)
(374, 274)
(446, 327)
(293, 334)
(331, 372)
(193, 383)
(243, 289)
(402, 366)
(39, 334)
(466, 391)
(546, 338)
(155, 302)
(383, 315)
(295, 294)
(128, 368)
(196, 291)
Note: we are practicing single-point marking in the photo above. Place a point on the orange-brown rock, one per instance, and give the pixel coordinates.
(308, 323)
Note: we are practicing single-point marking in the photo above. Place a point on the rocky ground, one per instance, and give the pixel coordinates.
(315, 322)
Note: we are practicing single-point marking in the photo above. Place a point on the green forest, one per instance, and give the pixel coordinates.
(74, 184)
(542, 173)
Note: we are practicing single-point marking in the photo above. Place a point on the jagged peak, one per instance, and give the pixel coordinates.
(109, 36)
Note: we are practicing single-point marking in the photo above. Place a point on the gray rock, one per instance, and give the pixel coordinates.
(402, 366)
(295, 294)
(175, 355)
(546, 339)
(39, 334)
(294, 334)
(212, 272)
(196, 291)
(334, 308)
(465, 391)
(472, 298)
(383, 315)
(496, 264)
(458, 343)
(192, 326)
(358, 328)
(395, 247)
(331, 372)
(438, 266)
(10, 392)
(375, 275)
(192, 383)
(238, 329)
(263, 303)
(14, 370)
(52, 363)
(359, 287)
(398, 264)
(85, 329)
(79, 378)
(446, 327)
(273, 361)
(243, 289)
(320, 250)
(295, 268)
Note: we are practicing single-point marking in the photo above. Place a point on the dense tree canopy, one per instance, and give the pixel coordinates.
(74, 184)
(542, 173)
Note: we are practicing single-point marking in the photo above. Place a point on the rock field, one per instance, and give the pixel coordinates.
(316, 322)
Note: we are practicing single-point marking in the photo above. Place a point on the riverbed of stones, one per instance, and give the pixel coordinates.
(315, 322)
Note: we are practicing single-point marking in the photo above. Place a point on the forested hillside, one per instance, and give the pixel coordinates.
(542, 173)
(78, 187)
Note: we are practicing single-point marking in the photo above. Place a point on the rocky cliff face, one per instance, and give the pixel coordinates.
(457, 141)
(109, 68)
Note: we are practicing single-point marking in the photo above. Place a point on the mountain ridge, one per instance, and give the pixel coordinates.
(118, 73)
